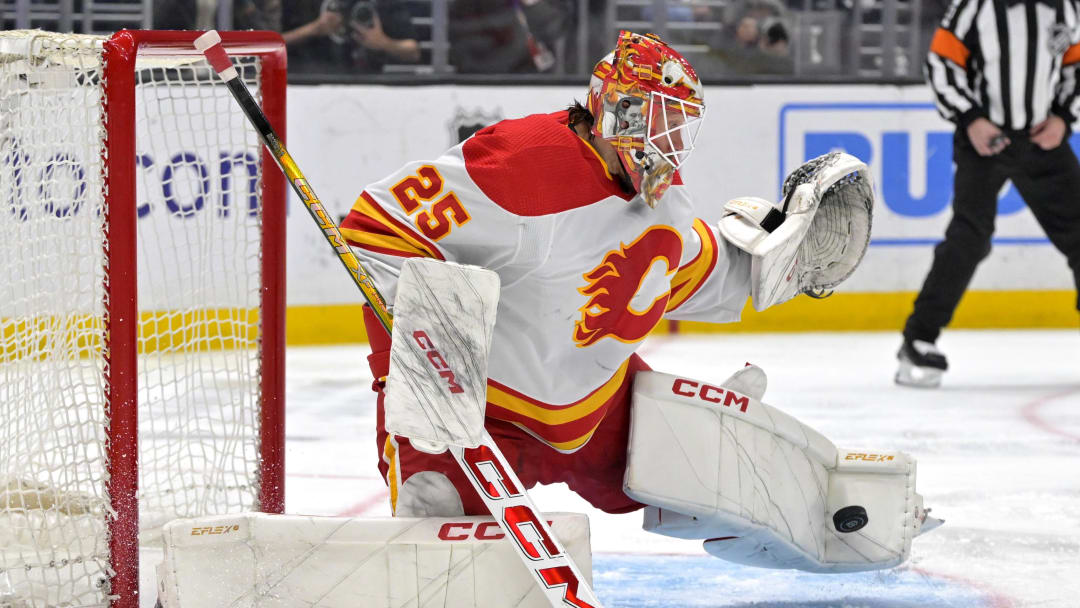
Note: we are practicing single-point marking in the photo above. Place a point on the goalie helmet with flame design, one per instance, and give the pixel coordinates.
(647, 102)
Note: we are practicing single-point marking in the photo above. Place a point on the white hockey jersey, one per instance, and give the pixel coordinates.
(587, 271)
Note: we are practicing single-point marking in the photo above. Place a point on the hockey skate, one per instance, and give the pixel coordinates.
(926, 521)
(921, 364)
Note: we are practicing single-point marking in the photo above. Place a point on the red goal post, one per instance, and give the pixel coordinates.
(142, 227)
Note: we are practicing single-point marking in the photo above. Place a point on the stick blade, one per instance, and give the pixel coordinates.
(444, 316)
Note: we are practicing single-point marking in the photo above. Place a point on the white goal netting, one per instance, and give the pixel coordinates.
(198, 214)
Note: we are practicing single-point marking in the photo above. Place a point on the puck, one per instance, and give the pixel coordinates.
(850, 519)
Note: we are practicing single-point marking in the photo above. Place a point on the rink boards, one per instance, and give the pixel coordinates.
(341, 136)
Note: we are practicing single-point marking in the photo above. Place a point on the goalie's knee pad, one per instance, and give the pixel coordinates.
(768, 491)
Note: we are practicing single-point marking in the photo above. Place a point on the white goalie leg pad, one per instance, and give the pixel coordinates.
(258, 559)
(760, 485)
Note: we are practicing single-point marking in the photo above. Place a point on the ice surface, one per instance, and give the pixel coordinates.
(998, 448)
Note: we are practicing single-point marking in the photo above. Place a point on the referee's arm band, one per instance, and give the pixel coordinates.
(946, 45)
(1072, 55)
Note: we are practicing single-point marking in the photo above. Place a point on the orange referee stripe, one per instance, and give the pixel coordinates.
(946, 44)
(1072, 55)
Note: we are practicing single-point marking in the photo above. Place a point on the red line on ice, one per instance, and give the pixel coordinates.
(1030, 413)
(994, 598)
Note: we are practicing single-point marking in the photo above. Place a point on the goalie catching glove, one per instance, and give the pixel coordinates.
(811, 240)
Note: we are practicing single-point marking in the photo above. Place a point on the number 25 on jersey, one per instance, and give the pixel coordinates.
(415, 193)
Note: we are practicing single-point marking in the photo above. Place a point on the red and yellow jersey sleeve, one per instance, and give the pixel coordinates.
(371, 228)
(713, 280)
(693, 273)
(411, 213)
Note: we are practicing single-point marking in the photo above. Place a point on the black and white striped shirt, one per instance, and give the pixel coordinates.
(1012, 61)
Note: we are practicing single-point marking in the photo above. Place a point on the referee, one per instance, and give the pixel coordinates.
(1006, 73)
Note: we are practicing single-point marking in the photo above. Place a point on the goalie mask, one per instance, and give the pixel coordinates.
(648, 103)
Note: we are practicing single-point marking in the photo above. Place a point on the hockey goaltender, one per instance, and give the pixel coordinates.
(583, 216)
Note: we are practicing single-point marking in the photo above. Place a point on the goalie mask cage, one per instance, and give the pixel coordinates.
(142, 301)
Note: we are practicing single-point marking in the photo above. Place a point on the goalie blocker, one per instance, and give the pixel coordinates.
(763, 489)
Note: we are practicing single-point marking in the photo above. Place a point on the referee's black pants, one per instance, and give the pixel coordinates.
(1049, 181)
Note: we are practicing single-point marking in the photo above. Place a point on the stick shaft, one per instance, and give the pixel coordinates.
(306, 193)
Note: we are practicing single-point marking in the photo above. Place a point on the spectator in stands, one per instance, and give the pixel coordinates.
(507, 36)
(756, 42)
(747, 33)
(307, 37)
(775, 49)
(680, 10)
(202, 15)
(774, 39)
(349, 36)
(257, 15)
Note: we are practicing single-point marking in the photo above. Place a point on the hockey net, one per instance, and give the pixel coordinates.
(101, 202)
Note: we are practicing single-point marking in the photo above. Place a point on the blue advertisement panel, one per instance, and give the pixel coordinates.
(910, 149)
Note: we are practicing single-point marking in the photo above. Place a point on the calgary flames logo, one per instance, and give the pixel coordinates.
(617, 287)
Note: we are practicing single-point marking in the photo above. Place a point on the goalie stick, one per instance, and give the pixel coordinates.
(555, 573)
